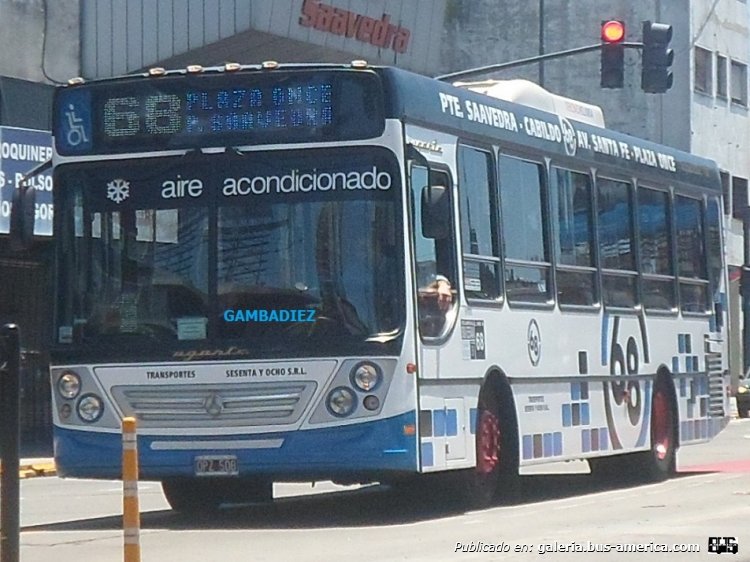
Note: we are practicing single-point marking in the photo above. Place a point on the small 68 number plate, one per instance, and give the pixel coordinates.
(216, 465)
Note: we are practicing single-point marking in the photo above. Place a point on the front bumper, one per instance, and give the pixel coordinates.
(353, 451)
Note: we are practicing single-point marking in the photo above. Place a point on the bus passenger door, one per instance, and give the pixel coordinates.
(434, 244)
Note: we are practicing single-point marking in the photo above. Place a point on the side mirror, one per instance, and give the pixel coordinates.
(22, 216)
(436, 212)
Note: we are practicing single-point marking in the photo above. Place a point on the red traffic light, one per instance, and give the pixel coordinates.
(613, 31)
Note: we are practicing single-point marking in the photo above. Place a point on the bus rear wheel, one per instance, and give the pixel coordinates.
(660, 460)
(656, 464)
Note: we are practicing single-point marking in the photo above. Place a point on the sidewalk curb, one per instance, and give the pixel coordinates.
(36, 469)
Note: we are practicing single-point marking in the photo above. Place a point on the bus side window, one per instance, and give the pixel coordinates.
(691, 255)
(715, 258)
(525, 245)
(434, 248)
(654, 228)
(479, 224)
(572, 218)
(616, 251)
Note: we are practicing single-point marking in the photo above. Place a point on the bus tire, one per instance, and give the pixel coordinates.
(659, 462)
(654, 465)
(495, 476)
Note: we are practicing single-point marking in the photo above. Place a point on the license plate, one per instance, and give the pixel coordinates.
(218, 465)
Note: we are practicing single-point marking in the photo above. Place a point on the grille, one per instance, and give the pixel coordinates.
(253, 404)
(716, 390)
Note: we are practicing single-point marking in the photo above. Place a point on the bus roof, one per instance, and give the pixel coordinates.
(474, 115)
(530, 94)
(517, 114)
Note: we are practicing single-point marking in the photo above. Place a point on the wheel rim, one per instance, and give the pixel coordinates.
(661, 433)
(488, 446)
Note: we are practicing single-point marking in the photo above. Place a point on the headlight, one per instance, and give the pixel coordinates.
(366, 377)
(90, 408)
(742, 390)
(69, 385)
(341, 401)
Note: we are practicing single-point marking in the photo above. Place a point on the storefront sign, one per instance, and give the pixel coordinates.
(21, 150)
(378, 32)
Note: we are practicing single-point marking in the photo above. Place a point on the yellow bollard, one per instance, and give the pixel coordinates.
(131, 513)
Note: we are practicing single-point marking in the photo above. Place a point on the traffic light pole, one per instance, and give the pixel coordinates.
(10, 365)
(744, 214)
(530, 60)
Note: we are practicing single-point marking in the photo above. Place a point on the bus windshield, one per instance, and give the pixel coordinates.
(271, 254)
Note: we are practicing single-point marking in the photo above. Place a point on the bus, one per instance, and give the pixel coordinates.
(360, 274)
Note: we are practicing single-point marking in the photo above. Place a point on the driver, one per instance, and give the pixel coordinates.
(440, 289)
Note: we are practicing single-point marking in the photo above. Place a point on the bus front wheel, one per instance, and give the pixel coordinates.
(495, 475)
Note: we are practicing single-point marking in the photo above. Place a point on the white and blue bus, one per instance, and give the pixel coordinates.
(308, 272)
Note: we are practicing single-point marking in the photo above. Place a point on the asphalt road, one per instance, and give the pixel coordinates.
(78, 520)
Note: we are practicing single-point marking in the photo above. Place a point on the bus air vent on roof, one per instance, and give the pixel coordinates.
(532, 95)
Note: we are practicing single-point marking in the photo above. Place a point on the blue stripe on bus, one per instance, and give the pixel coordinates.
(693, 430)
(438, 423)
(542, 445)
(428, 458)
(586, 441)
(547, 445)
(585, 417)
(644, 434)
(641, 441)
(528, 447)
(603, 439)
(473, 421)
(374, 446)
(575, 391)
(567, 415)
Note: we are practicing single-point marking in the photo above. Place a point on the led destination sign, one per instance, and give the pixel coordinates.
(193, 111)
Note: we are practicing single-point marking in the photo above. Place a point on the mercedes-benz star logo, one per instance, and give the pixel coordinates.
(214, 405)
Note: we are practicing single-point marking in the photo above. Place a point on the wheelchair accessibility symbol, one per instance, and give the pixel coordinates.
(76, 133)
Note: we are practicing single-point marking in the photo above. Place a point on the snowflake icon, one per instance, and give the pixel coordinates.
(118, 190)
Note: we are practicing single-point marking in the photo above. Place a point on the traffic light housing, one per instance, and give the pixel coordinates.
(613, 54)
(656, 58)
